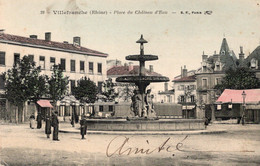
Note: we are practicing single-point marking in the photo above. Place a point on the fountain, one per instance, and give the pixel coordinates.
(142, 118)
(142, 80)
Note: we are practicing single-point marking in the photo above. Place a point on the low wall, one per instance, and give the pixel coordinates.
(145, 125)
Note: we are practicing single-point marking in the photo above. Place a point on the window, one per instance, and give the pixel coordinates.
(2, 58)
(42, 62)
(253, 63)
(218, 81)
(110, 108)
(90, 67)
(182, 99)
(52, 62)
(204, 98)
(99, 68)
(2, 83)
(181, 87)
(72, 65)
(100, 87)
(31, 57)
(16, 58)
(204, 82)
(192, 87)
(192, 98)
(82, 66)
(101, 108)
(63, 64)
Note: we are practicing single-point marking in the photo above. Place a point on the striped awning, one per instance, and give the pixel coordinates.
(45, 103)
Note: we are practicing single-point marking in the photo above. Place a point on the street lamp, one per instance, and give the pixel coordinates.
(244, 104)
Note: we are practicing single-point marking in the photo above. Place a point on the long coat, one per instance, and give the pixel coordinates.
(83, 126)
(39, 121)
(48, 126)
(55, 125)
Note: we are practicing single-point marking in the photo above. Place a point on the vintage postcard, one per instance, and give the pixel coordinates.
(113, 82)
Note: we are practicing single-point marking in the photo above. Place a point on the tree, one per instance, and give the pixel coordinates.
(109, 91)
(86, 90)
(240, 78)
(126, 91)
(57, 84)
(23, 82)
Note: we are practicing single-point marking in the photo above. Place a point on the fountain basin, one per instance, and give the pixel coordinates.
(145, 125)
(142, 57)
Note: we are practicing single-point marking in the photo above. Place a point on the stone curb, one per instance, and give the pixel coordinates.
(195, 132)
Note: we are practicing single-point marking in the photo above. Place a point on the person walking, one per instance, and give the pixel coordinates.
(39, 120)
(83, 126)
(32, 121)
(48, 126)
(55, 125)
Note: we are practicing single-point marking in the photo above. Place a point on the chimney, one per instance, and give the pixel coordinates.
(184, 71)
(241, 55)
(48, 36)
(166, 86)
(130, 66)
(151, 68)
(33, 36)
(181, 72)
(204, 57)
(76, 41)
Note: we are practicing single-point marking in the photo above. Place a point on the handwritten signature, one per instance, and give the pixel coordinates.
(122, 150)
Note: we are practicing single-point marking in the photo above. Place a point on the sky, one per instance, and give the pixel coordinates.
(178, 39)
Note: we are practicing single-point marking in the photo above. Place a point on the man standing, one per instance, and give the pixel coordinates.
(83, 126)
(55, 125)
(48, 126)
(39, 120)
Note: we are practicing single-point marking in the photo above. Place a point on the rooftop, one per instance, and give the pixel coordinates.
(44, 44)
(185, 79)
(128, 70)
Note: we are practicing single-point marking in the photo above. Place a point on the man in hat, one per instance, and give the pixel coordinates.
(83, 126)
(39, 120)
(55, 125)
(48, 125)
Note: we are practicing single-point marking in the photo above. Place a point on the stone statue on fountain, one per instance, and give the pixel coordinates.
(149, 104)
(140, 110)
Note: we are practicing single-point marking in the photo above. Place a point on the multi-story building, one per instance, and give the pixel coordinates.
(210, 74)
(77, 61)
(213, 69)
(185, 92)
(166, 96)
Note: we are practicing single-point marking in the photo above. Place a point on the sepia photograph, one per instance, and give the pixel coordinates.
(112, 82)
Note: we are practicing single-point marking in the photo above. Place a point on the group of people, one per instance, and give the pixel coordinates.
(50, 121)
(53, 121)
(143, 110)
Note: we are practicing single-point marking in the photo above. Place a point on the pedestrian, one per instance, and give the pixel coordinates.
(39, 121)
(55, 125)
(48, 126)
(83, 126)
(32, 121)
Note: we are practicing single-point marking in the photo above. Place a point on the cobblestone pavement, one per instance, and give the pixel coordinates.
(21, 145)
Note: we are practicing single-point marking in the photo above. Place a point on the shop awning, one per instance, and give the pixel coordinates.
(235, 96)
(45, 103)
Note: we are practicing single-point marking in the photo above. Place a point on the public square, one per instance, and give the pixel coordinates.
(239, 145)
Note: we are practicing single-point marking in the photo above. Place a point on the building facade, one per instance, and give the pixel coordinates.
(185, 92)
(212, 71)
(77, 61)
